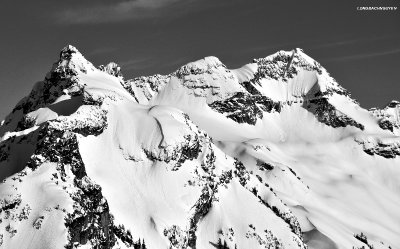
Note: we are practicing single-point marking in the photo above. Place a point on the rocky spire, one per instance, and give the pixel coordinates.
(71, 62)
(112, 68)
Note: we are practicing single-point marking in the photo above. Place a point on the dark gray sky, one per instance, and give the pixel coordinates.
(361, 49)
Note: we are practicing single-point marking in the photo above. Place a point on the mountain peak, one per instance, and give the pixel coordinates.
(67, 52)
(200, 66)
(286, 64)
(71, 62)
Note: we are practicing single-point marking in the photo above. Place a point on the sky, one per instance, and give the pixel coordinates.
(360, 49)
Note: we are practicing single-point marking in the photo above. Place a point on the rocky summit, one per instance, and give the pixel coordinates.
(275, 154)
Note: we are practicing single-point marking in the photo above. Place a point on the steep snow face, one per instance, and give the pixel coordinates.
(271, 155)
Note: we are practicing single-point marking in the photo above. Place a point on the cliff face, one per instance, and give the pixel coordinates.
(275, 154)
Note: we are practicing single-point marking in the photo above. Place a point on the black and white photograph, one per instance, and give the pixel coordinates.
(200, 124)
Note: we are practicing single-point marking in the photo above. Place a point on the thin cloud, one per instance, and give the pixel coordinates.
(271, 47)
(118, 12)
(100, 51)
(353, 41)
(365, 55)
(338, 43)
(137, 64)
(316, 44)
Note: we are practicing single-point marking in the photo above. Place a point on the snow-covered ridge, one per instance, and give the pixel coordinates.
(275, 154)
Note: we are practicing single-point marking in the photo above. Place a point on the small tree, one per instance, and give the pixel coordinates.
(225, 245)
(219, 243)
(143, 245)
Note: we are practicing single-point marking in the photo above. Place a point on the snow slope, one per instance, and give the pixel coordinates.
(275, 154)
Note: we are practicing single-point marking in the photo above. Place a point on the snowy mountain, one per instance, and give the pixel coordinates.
(275, 154)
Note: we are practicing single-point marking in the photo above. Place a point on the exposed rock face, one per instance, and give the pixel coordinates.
(205, 157)
(144, 88)
(387, 149)
(389, 117)
(246, 108)
(112, 68)
(327, 114)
